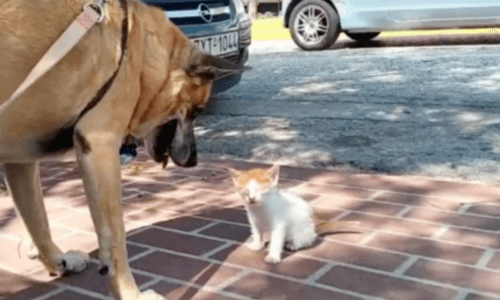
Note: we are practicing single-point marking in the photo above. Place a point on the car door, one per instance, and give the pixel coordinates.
(362, 15)
(445, 12)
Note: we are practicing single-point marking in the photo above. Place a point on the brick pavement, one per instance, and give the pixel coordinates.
(418, 239)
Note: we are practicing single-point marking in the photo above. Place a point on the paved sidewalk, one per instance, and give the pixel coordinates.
(419, 239)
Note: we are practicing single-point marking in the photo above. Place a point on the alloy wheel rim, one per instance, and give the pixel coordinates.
(311, 24)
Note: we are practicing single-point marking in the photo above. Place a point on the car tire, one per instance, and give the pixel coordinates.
(362, 37)
(314, 25)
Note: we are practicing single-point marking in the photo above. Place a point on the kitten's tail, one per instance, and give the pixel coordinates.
(325, 228)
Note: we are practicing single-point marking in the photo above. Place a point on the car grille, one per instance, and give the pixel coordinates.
(188, 12)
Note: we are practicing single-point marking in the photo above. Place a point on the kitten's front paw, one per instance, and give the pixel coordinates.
(254, 246)
(150, 295)
(272, 259)
(290, 246)
(29, 246)
(74, 261)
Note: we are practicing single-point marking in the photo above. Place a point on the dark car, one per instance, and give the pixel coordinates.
(220, 27)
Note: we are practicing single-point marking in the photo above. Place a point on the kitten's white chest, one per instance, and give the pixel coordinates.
(261, 218)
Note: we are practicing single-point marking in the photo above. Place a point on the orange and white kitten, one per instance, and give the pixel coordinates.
(286, 217)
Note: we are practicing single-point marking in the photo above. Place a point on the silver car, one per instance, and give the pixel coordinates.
(316, 24)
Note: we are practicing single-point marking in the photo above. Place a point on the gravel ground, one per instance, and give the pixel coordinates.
(420, 106)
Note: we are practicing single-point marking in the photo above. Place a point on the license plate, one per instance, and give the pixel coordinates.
(218, 44)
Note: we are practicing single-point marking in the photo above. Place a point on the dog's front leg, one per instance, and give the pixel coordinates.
(99, 159)
(24, 184)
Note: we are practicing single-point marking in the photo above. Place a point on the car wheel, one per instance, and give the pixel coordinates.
(365, 36)
(314, 25)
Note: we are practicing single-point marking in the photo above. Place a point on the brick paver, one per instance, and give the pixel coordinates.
(416, 238)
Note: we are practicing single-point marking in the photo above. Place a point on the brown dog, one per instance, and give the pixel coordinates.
(133, 74)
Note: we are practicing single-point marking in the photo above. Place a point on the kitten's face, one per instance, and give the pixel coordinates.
(252, 191)
(252, 184)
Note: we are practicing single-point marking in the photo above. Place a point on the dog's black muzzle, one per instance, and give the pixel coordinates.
(174, 139)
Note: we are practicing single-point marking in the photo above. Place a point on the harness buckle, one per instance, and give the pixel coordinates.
(97, 8)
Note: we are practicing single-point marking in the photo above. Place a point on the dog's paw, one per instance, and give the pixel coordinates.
(74, 262)
(272, 259)
(150, 295)
(254, 246)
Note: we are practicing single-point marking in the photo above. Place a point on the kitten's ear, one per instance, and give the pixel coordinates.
(234, 173)
(274, 171)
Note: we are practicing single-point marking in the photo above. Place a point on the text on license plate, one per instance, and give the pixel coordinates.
(218, 44)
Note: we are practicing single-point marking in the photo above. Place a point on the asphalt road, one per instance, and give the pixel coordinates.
(416, 105)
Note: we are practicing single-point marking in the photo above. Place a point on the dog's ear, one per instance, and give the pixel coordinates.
(208, 67)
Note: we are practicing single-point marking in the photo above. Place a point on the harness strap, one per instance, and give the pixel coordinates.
(123, 45)
(92, 13)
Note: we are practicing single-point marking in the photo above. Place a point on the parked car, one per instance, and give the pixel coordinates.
(220, 27)
(316, 24)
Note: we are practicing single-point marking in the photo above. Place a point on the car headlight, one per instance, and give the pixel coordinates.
(240, 8)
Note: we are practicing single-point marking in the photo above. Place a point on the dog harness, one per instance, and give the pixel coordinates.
(93, 12)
